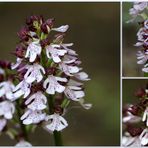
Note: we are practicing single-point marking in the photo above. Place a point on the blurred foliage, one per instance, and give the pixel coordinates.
(94, 30)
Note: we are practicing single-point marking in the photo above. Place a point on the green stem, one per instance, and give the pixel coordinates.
(56, 134)
(22, 126)
(58, 138)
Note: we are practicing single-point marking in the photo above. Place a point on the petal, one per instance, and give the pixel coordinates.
(8, 115)
(18, 94)
(79, 94)
(61, 29)
(59, 88)
(73, 69)
(82, 76)
(33, 56)
(61, 52)
(50, 89)
(61, 79)
(27, 121)
(56, 58)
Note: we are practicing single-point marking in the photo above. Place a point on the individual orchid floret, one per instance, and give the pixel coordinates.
(33, 50)
(3, 123)
(144, 137)
(7, 109)
(63, 28)
(34, 72)
(33, 117)
(57, 122)
(18, 62)
(52, 85)
(23, 88)
(55, 53)
(74, 93)
(23, 143)
(6, 89)
(37, 101)
(142, 36)
(69, 51)
(68, 69)
(82, 76)
(137, 9)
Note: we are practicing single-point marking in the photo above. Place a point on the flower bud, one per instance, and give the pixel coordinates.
(20, 51)
(23, 34)
(134, 131)
(5, 64)
(47, 25)
(140, 92)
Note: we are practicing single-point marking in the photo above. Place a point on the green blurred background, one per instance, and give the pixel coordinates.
(94, 30)
(130, 86)
(130, 66)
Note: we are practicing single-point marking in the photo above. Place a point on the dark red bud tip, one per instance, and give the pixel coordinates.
(20, 51)
(134, 109)
(51, 71)
(31, 19)
(45, 42)
(23, 34)
(5, 64)
(140, 93)
(134, 131)
(58, 109)
(47, 25)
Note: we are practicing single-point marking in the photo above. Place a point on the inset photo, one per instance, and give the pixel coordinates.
(135, 113)
(60, 74)
(135, 39)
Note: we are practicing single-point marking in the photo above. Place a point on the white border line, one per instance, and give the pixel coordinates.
(120, 73)
(133, 78)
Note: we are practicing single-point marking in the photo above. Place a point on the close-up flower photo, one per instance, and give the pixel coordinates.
(58, 84)
(135, 113)
(135, 39)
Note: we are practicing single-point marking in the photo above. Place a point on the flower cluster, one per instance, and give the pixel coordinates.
(37, 89)
(7, 107)
(135, 121)
(48, 71)
(139, 8)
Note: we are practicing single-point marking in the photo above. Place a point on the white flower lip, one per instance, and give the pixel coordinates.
(37, 101)
(34, 73)
(33, 50)
(51, 84)
(32, 117)
(58, 123)
(23, 88)
(6, 89)
(7, 109)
